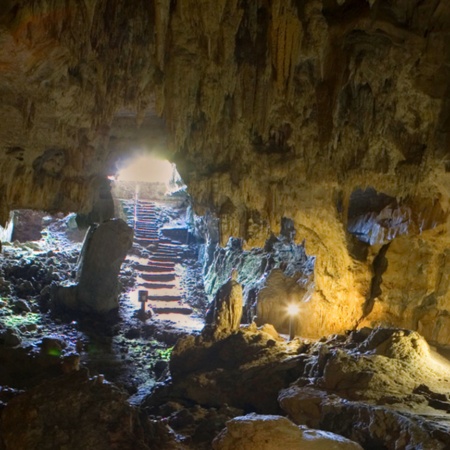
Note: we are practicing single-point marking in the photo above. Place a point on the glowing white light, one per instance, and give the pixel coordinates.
(293, 309)
(147, 168)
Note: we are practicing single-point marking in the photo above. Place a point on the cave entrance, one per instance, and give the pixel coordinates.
(155, 203)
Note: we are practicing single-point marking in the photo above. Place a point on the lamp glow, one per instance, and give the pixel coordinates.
(293, 309)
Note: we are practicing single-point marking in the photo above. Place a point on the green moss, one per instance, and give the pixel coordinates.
(164, 354)
(16, 320)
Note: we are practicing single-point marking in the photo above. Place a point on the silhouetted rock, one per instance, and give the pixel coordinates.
(76, 412)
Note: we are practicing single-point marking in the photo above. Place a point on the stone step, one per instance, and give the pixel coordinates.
(156, 262)
(158, 278)
(170, 310)
(155, 269)
(178, 234)
(168, 243)
(163, 259)
(170, 256)
(140, 229)
(145, 241)
(158, 286)
(146, 226)
(168, 251)
(164, 298)
(141, 225)
(146, 236)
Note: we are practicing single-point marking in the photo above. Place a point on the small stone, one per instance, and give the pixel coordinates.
(21, 305)
(52, 346)
(10, 337)
(28, 327)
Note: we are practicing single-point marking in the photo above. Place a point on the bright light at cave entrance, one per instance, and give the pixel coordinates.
(293, 309)
(147, 169)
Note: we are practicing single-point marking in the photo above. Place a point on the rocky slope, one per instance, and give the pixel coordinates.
(382, 388)
(273, 110)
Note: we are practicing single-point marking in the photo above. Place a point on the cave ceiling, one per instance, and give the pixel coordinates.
(270, 109)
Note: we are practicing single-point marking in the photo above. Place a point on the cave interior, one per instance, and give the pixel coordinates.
(224, 224)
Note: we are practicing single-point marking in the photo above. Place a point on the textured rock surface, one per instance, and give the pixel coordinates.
(103, 252)
(275, 432)
(273, 111)
(226, 310)
(384, 388)
(245, 369)
(76, 412)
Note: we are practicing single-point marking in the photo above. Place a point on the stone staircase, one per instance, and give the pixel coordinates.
(161, 273)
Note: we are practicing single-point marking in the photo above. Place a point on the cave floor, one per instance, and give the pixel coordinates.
(127, 348)
(382, 388)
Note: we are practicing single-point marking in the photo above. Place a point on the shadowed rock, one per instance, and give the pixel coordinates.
(226, 310)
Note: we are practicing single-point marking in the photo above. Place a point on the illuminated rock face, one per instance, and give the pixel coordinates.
(273, 110)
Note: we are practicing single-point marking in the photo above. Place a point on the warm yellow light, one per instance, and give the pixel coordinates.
(293, 309)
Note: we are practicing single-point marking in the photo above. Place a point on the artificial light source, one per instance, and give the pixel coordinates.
(292, 309)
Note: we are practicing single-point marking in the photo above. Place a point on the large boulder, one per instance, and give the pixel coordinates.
(264, 432)
(245, 369)
(103, 252)
(76, 412)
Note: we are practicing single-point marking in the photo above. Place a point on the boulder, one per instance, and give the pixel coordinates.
(245, 369)
(77, 412)
(103, 252)
(264, 432)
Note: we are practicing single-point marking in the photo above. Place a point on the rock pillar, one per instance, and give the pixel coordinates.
(226, 310)
(103, 252)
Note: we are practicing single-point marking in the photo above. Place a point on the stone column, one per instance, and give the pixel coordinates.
(104, 250)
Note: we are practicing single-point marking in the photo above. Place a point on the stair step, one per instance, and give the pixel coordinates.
(165, 298)
(145, 241)
(158, 286)
(168, 310)
(163, 259)
(155, 269)
(167, 251)
(145, 227)
(159, 278)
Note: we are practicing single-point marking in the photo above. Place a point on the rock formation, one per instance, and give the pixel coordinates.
(331, 113)
(225, 312)
(382, 388)
(79, 412)
(276, 432)
(103, 252)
